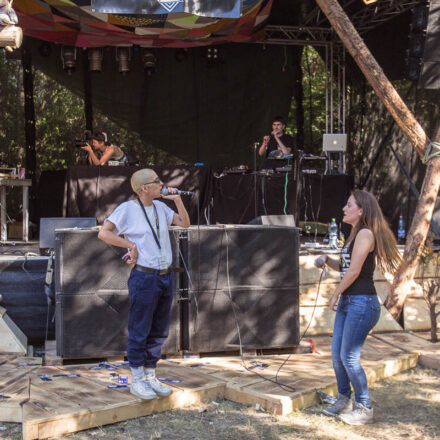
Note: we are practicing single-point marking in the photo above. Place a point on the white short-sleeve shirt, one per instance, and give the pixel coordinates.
(131, 222)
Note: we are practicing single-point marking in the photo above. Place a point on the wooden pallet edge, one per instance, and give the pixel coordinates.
(424, 344)
(62, 425)
(429, 361)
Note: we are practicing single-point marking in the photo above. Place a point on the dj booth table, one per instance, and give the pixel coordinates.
(234, 196)
(96, 191)
(315, 197)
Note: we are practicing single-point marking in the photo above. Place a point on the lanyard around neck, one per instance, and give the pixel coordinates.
(156, 237)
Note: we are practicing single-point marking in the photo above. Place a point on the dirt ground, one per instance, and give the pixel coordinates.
(407, 406)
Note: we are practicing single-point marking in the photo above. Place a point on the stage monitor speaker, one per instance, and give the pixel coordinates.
(92, 302)
(274, 220)
(49, 224)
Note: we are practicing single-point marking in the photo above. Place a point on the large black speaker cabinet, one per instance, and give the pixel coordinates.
(430, 71)
(241, 280)
(22, 288)
(92, 301)
(236, 280)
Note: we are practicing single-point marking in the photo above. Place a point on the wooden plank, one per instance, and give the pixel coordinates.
(14, 383)
(85, 419)
(410, 343)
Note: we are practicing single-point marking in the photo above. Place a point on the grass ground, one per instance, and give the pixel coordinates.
(407, 407)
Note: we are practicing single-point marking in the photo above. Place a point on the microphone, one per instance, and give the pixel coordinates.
(165, 192)
(320, 262)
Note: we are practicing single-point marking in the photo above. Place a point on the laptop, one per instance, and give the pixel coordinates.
(334, 143)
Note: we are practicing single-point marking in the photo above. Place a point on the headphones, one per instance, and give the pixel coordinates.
(101, 136)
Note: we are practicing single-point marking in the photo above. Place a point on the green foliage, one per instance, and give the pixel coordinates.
(59, 119)
(313, 83)
(11, 105)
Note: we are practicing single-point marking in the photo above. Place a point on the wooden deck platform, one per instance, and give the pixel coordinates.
(69, 404)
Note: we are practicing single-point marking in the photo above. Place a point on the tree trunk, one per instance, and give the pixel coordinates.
(412, 130)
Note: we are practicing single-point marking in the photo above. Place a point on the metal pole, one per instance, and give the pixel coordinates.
(331, 87)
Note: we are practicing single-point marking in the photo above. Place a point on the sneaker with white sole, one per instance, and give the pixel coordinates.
(157, 387)
(142, 389)
(361, 415)
(343, 405)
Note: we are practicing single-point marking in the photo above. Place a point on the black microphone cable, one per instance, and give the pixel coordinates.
(284, 387)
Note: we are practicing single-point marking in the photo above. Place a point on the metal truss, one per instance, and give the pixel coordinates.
(298, 35)
(365, 17)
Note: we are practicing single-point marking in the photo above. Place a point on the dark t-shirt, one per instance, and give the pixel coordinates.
(363, 284)
(286, 139)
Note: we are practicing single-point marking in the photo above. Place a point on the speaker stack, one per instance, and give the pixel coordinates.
(239, 286)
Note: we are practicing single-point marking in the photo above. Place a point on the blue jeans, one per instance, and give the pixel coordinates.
(151, 297)
(356, 315)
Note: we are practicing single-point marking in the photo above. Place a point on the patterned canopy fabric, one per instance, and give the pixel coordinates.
(73, 23)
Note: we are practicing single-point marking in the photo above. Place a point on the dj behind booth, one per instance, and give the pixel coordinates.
(309, 187)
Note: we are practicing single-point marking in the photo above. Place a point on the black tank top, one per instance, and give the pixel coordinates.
(363, 284)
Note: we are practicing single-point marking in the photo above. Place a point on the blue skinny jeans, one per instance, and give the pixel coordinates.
(356, 315)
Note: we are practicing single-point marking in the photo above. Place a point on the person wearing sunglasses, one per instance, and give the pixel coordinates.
(141, 226)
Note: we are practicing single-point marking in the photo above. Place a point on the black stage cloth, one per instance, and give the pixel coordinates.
(50, 194)
(234, 200)
(95, 191)
(322, 197)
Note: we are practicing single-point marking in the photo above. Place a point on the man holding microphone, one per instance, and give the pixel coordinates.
(144, 225)
(277, 141)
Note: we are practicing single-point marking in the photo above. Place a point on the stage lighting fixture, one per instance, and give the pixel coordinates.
(181, 54)
(148, 61)
(68, 57)
(95, 59)
(212, 53)
(123, 57)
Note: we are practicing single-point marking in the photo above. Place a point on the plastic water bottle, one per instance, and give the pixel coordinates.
(401, 231)
(333, 234)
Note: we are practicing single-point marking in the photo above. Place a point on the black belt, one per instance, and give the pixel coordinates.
(153, 271)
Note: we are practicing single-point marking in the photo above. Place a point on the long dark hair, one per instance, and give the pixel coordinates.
(388, 257)
(101, 136)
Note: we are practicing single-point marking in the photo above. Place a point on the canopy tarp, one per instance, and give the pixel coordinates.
(74, 23)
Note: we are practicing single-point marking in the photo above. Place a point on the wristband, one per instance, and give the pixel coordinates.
(132, 247)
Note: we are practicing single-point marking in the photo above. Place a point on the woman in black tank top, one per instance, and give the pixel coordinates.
(355, 301)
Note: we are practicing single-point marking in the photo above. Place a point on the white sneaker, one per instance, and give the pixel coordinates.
(154, 384)
(142, 389)
(343, 405)
(360, 415)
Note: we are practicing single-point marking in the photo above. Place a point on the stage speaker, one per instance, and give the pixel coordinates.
(92, 302)
(257, 317)
(22, 288)
(430, 63)
(241, 279)
(274, 220)
(49, 224)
